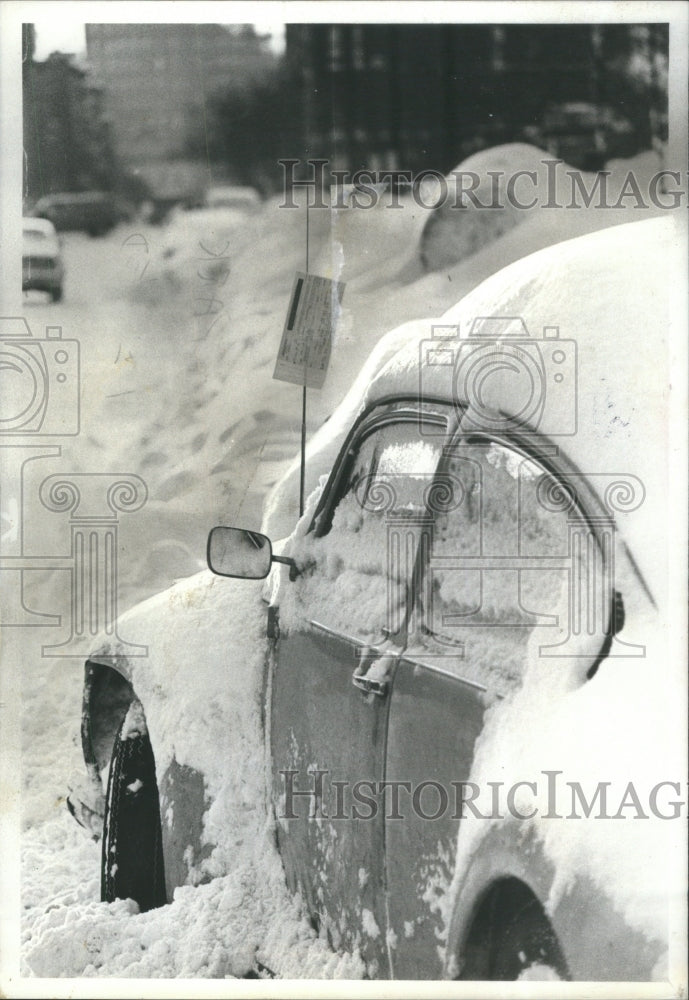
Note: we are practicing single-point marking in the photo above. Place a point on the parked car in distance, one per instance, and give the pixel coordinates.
(42, 266)
(231, 196)
(92, 212)
(477, 589)
(585, 135)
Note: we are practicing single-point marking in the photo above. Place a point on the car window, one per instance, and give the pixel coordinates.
(358, 571)
(512, 559)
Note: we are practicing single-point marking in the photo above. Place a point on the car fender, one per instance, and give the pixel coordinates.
(596, 942)
(199, 673)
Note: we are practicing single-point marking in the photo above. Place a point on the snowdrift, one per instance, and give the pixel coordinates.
(517, 183)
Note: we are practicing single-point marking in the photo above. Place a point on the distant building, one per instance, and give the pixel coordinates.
(66, 141)
(415, 96)
(157, 79)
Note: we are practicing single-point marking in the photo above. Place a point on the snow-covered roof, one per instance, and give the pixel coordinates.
(601, 300)
(38, 225)
(608, 294)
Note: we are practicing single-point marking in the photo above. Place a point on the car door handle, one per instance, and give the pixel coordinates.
(370, 685)
(372, 675)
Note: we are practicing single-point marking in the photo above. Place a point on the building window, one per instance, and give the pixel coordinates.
(358, 55)
(336, 48)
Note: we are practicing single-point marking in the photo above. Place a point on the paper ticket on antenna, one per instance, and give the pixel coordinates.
(312, 316)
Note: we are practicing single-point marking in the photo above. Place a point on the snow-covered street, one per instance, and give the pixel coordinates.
(150, 370)
(175, 388)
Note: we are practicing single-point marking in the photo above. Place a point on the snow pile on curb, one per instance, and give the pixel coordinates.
(219, 930)
(210, 430)
(458, 228)
(515, 175)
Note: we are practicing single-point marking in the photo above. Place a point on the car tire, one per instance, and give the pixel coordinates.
(132, 856)
(527, 944)
(511, 938)
(56, 294)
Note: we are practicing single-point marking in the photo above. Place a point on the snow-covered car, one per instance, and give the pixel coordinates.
(460, 662)
(42, 266)
(92, 212)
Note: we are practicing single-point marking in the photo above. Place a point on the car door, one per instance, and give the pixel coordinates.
(507, 559)
(341, 628)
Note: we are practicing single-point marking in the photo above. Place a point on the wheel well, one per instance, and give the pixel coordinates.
(509, 932)
(107, 696)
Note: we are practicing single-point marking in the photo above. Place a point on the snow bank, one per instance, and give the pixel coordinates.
(219, 930)
(210, 431)
(458, 228)
(549, 200)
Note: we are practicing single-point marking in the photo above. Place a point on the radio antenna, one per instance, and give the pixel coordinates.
(302, 471)
(305, 347)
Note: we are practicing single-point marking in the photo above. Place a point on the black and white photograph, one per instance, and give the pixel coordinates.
(343, 496)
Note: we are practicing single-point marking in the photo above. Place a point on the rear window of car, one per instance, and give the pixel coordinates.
(514, 569)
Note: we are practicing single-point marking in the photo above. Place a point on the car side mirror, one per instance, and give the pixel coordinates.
(247, 555)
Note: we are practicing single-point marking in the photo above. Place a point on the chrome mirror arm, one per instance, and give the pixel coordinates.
(293, 570)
